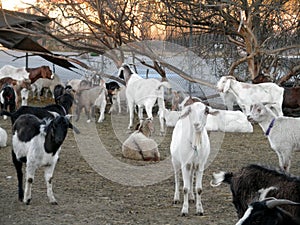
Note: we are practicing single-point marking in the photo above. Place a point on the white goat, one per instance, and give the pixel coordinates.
(47, 84)
(229, 121)
(101, 102)
(139, 146)
(171, 117)
(37, 143)
(190, 148)
(143, 93)
(3, 137)
(24, 96)
(14, 72)
(247, 94)
(283, 132)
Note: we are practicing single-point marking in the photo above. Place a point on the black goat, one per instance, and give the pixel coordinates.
(268, 212)
(245, 184)
(66, 100)
(58, 91)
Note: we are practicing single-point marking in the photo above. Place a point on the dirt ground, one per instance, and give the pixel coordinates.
(86, 197)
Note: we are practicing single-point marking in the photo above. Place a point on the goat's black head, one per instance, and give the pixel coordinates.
(268, 212)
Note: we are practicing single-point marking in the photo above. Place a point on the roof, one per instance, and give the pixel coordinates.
(16, 41)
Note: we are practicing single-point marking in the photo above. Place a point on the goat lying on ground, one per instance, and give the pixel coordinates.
(283, 143)
(229, 121)
(246, 94)
(139, 146)
(190, 148)
(142, 93)
(37, 143)
(245, 184)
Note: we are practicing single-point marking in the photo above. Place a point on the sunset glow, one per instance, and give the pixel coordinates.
(16, 4)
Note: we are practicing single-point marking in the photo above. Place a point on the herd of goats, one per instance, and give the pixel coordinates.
(261, 195)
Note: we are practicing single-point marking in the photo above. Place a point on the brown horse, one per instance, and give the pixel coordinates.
(39, 72)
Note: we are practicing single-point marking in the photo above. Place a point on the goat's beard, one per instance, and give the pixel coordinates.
(197, 139)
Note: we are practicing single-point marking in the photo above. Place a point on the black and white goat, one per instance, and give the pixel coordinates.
(37, 143)
(269, 212)
(41, 112)
(245, 184)
(7, 98)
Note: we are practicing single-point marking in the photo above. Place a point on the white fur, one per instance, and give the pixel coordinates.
(284, 136)
(171, 117)
(36, 156)
(247, 94)
(229, 121)
(144, 93)
(46, 83)
(14, 72)
(190, 148)
(3, 137)
(24, 96)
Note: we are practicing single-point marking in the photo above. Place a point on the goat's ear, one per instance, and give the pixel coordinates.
(227, 85)
(211, 111)
(102, 83)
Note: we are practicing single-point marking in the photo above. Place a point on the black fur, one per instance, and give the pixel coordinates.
(9, 97)
(246, 183)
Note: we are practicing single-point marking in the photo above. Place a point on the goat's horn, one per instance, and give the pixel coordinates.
(278, 202)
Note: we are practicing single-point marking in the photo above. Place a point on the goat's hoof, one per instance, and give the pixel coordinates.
(199, 214)
(54, 203)
(88, 121)
(184, 214)
(27, 202)
(191, 200)
(176, 202)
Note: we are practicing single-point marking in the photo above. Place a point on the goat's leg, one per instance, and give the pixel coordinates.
(30, 171)
(199, 176)
(161, 107)
(131, 115)
(87, 113)
(191, 192)
(102, 111)
(48, 178)
(119, 102)
(176, 167)
(18, 166)
(284, 156)
(186, 173)
(77, 112)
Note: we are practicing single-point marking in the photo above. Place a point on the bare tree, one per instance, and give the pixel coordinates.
(265, 30)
